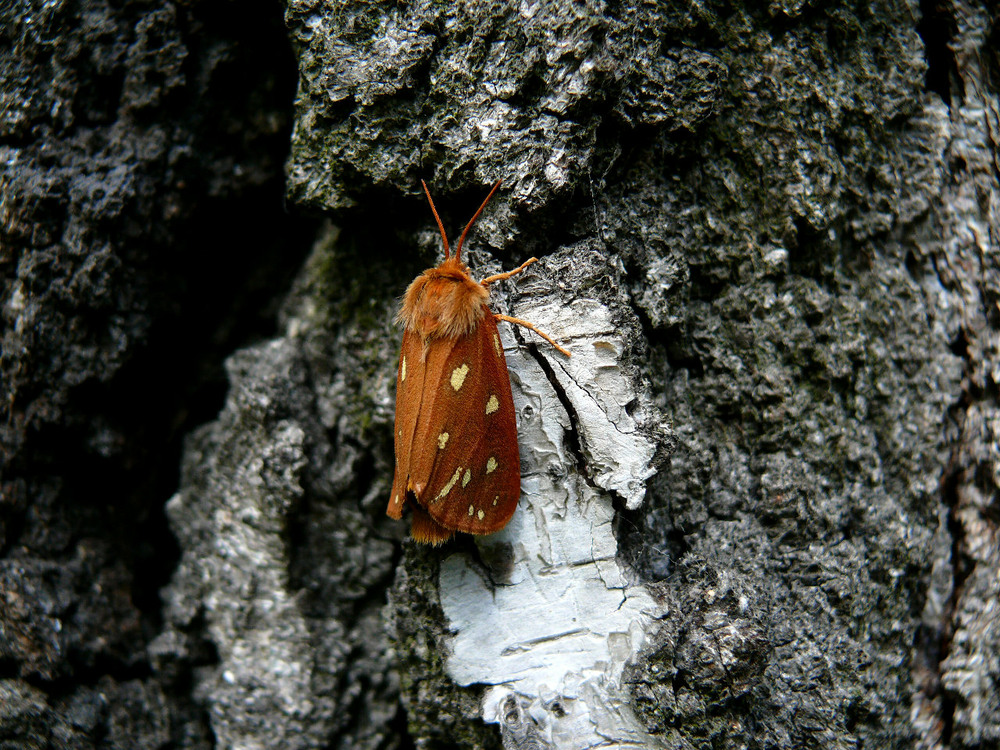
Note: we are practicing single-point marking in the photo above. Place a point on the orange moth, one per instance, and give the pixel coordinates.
(457, 461)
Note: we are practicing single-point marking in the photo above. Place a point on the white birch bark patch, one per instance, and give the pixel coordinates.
(557, 632)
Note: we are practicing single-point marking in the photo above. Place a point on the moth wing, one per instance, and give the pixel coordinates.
(465, 467)
(410, 375)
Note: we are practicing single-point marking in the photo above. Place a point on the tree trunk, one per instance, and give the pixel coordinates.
(759, 501)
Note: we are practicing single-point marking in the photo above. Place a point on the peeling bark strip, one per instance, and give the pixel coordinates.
(555, 627)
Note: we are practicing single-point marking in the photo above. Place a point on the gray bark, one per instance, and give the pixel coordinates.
(759, 502)
(141, 239)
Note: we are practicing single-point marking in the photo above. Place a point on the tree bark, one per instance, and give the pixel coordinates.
(759, 502)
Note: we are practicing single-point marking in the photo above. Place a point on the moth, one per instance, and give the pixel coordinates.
(457, 461)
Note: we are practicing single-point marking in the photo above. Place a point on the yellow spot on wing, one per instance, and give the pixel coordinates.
(492, 405)
(496, 343)
(495, 499)
(451, 483)
(443, 440)
(402, 370)
(471, 510)
(491, 464)
(466, 478)
(481, 515)
(458, 376)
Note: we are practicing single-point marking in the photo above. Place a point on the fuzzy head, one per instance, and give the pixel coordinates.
(446, 301)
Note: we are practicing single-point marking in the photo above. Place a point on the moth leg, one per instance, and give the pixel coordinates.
(530, 327)
(508, 274)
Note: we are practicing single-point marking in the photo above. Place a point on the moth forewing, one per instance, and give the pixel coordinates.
(410, 376)
(474, 478)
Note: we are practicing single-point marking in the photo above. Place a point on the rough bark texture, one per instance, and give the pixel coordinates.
(774, 227)
(141, 238)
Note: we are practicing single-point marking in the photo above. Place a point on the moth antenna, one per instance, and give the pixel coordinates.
(447, 250)
(458, 250)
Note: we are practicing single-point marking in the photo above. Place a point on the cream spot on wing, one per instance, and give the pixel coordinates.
(397, 499)
(451, 483)
(491, 465)
(495, 499)
(466, 478)
(443, 440)
(481, 515)
(458, 376)
(471, 510)
(496, 344)
(402, 370)
(492, 405)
